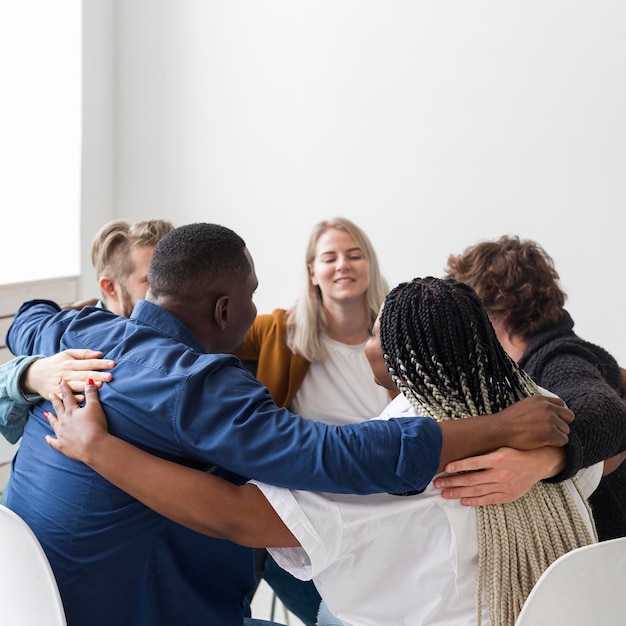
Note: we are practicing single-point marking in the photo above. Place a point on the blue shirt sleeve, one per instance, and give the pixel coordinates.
(30, 322)
(251, 436)
(14, 405)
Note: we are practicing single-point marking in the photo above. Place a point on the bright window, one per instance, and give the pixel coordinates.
(40, 138)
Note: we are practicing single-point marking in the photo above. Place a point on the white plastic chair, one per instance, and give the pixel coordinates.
(585, 586)
(29, 595)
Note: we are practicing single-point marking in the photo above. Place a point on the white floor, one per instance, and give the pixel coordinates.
(262, 607)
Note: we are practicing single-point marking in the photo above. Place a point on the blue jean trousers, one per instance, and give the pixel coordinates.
(300, 597)
(326, 618)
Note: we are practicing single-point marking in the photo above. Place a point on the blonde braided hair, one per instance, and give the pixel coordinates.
(443, 355)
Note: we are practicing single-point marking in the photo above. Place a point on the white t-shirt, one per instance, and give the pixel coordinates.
(340, 389)
(386, 560)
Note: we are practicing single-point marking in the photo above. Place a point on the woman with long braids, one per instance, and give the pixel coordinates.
(379, 560)
(443, 355)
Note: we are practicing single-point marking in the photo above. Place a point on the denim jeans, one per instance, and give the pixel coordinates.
(300, 597)
(326, 618)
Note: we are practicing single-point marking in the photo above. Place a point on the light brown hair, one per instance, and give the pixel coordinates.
(110, 248)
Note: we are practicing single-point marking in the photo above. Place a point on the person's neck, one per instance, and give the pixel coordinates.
(513, 344)
(348, 323)
(197, 317)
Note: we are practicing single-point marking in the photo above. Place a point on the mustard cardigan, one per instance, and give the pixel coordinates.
(278, 368)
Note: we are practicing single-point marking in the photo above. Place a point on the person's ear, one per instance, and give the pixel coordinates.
(108, 286)
(222, 312)
(314, 281)
(112, 295)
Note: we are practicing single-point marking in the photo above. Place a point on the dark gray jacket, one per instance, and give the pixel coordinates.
(589, 381)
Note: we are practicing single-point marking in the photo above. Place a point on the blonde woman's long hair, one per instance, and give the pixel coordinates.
(306, 323)
(442, 352)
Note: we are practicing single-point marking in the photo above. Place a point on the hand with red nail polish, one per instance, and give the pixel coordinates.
(77, 429)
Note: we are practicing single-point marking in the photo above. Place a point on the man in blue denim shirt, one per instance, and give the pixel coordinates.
(120, 253)
(177, 395)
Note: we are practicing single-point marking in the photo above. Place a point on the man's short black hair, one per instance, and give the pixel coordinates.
(196, 253)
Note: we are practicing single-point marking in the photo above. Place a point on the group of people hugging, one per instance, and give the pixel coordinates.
(416, 455)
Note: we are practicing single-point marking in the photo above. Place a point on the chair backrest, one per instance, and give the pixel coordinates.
(29, 595)
(585, 586)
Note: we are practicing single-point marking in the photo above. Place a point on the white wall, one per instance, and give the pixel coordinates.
(433, 125)
(98, 204)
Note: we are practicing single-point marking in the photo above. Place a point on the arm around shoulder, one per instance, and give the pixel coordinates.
(530, 423)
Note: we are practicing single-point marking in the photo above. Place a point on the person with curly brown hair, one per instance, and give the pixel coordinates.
(519, 286)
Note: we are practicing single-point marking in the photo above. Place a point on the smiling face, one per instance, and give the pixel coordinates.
(339, 267)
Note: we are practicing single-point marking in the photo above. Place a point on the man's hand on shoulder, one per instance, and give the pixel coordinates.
(499, 477)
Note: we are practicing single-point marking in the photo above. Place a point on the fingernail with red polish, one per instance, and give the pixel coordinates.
(46, 415)
(90, 381)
